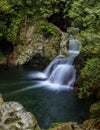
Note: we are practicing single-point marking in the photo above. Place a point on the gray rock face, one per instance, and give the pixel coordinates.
(14, 117)
(37, 41)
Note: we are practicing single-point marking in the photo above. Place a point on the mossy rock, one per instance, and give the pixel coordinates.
(66, 126)
(95, 109)
(91, 124)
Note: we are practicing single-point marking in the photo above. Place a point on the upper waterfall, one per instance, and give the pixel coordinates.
(74, 46)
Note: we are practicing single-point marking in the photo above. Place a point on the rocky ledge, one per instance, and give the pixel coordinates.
(13, 116)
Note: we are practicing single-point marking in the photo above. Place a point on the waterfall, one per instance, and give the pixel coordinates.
(60, 73)
(61, 70)
(64, 74)
(74, 46)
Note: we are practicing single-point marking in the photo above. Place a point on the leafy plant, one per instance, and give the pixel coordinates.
(90, 75)
(86, 16)
(47, 28)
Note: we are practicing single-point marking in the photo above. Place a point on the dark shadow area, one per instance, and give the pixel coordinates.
(60, 22)
(37, 62)
(6, 47)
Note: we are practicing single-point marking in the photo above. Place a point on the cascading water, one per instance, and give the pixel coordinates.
(60, 70)
(60, 73)
(64, 74)
(74, 47)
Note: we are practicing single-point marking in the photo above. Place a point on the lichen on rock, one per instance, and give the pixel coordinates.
(13, 116)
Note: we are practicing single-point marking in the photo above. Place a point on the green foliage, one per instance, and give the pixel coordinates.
(47, 8)
(12, 13)
(4, 6)
(91, 43)
(50, 7)
(86, 16)
(47, 28)
(13, 29)
(90, 74)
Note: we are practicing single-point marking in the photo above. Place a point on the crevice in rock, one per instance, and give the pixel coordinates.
(37, 62)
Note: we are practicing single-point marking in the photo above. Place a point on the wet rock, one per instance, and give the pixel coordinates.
(95, 109)
(63, 44)
(14, 117)
(94, 122)
(67, 126)
(88, 123)
(91, 124)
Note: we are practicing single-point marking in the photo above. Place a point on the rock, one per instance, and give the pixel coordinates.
(96, 90)
(1, 100)
(67, 126)
(41, 38)
(14, 117)
(3, 60)
(88, 123)
(97, 125)
(63, 44)
(95, 109)
(91, 124)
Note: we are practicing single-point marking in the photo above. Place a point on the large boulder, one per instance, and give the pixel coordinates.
(41, 39)
(14, 117)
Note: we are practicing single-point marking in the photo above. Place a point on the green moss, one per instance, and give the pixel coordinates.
(47, 28)
(22, 38)
(95, 109)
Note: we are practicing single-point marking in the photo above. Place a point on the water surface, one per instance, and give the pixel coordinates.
(49, 106)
